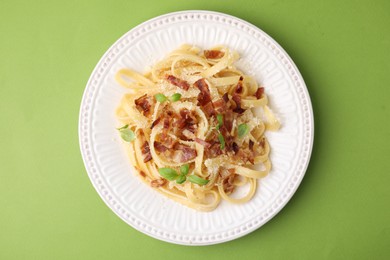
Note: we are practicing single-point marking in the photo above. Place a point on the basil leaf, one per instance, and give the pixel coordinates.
(168, 173)
(220, 121)
(127, 134)
(198, 180)
(175, 97)
(221, 141)
(181, 179)
(160, 97)
(243, 130)
(184, 169)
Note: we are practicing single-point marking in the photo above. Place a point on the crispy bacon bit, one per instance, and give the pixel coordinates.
(180, 123)
(188, 115)
(228, 138)
(228, 184)
(202, 142)
(214, 150)
(155, 122)
(160, 147)
(237, 99)
(213, 54)
(204, 96)
(262, 143)
(178, 82)
(235, 147)
(209, 109)
(227, 179)
(228, 120)
(170, 113)
(143, 174)
(246, 156)
(146, 152)
(259, 92)
(187, 120)
(158, 183)
(251, 143)
(185, 153)
(166, 123)
(238, 89)
(225, 97)
(188, 154)
(220, 105)
(143, 104)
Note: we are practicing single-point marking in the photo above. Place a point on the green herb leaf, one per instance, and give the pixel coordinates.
(123, 127)
(168, 173)
(221, 141)
(181, 179)
(198, 180)
(220, 121)
(127, 134)
(243, 130)
(175, 97)
(160, 97)
(184, 169)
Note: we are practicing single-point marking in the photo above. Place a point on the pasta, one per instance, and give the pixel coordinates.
(190, 130)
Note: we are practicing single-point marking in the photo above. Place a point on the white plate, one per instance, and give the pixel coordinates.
(106, 160)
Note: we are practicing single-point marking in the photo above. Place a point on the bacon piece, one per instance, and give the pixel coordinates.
(228, 138)
(214, 150)
(204, 96)
(225, 97)
(262, 143)
(155, 122)
(178, 82)
(251, 143)
(188, 116)
(145, 149)
(237, 99)
(143, 104)
(245, 155)
(202, 142)
(160, 147)
(238, 88)
(228, 120)
(209, 109)
(227, 179)
(259, 92)
(220, 105)
(186, 153)
(158, 183)
(235, 147)
(180, 123)
(191, 127)
(213, 54)
(228, 184)
(186, 121)
(166, 123)
(142, 173)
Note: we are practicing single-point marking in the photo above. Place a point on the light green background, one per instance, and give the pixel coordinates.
(49, 209)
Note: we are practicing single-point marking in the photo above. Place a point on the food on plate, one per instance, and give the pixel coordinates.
(190, 127)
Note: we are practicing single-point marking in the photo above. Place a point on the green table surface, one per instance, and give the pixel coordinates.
(49, 209)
